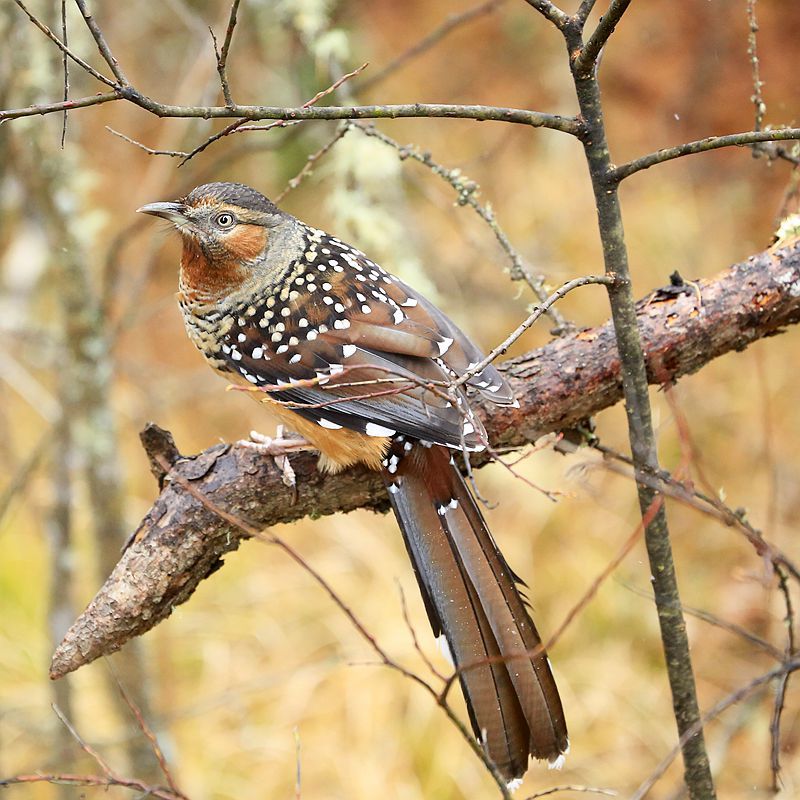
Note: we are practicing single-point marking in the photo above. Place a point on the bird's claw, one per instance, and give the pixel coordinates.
(278, 448)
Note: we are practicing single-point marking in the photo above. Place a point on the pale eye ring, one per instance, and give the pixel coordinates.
(225, 220)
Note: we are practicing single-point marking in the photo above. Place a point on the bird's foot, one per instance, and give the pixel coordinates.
(278, 448)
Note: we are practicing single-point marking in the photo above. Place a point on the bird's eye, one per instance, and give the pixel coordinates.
(224, 220)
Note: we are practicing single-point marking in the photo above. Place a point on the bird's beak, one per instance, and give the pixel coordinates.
(174, 212)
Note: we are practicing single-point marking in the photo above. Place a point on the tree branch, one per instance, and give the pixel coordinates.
(701, 146)
(180, 542)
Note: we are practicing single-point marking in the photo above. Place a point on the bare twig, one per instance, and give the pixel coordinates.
(623, 171)
(587, 58)
(308, 167)
(711, 714)
(585, 8)
(757, 98)
(572, 788)
(149, 150)
(451, 23)
(783, 682)
(552, 12)
(222, 55)
(65, 67)
(102, 45)
(502, 348)
(467, 190)
(66, 51)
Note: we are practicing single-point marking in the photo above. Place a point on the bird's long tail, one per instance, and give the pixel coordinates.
(471, 597)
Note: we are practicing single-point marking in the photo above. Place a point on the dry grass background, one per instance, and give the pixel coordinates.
(260, 662)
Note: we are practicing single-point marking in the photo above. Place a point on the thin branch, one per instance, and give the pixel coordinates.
(617, 174)
(467, 191)
(585, 8)
(502, 348)
(586, 60)
(65, 67)
(64, 49)
(54, 108)
(149, 150)
(552, 12)
(572, 788)
(757, 98)
(222, 55)
(102, 45)
(451, 23)
(783, 683)
(308, 167)
(713, 713)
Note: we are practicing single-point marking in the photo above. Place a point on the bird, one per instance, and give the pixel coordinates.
(366, 370)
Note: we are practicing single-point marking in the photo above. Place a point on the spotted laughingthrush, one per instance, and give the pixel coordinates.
(362, 367)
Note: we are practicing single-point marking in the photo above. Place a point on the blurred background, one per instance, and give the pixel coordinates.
(259, 672)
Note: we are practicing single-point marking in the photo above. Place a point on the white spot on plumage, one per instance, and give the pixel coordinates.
(398, 316)
(444, 649)
(326, 286)
(241, 337)
(293, 341)
(251, 378)
(280, 327)
(302, 322)
(323, 328)
(365, 309)
(336, 368)
(236, 355)
(285, 311)
(226, 350)
(282, 349)
(338, 307)
(295, 358)
(348, 350)
(312, 287)
(410, 303)
(392, 487)
(257, 352)
(444, 345)
(557, 763)
(513, 784)
(341, 324)
(468, 428)
(326, 423)
(328, 300)
(361, 298)
(276, 337)
(373, 429)
(311, 335)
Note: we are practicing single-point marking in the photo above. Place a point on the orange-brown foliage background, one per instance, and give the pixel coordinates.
(260, 658)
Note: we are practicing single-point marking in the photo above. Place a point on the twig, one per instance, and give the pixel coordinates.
(102, 45)
(68, 779)
(757, 98)
(585, 8)
(65, 67)
(149, 150)
(222, 55)
(281, 123)
(65, 50)
(451, 23)
(148, 733)
(586, 60)
(466, 190)
(617, 174)
(783, 682)
(85, 746)
(713, 713)
(552, 12)
(532, 317)
(308, 167)
(572, 788)
(320, 580)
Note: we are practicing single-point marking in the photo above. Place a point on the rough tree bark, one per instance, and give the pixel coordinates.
(181, 541)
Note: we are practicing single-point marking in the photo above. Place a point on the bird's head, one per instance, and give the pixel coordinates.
(232, 236)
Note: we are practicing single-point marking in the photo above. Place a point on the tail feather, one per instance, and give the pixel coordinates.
(471, 597)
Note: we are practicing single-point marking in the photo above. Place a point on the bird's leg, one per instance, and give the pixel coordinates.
(278, 448)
